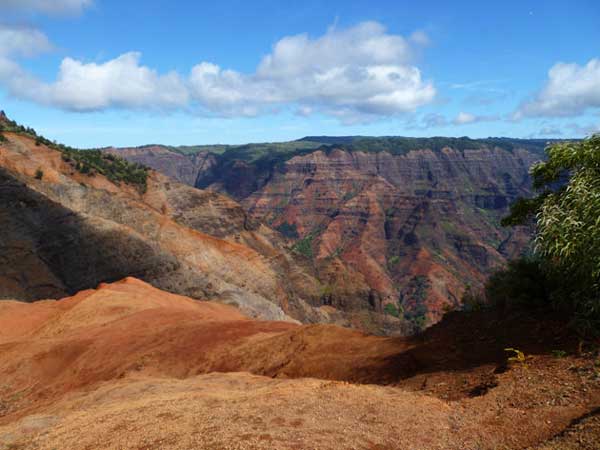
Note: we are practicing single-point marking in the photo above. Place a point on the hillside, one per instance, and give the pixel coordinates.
(73, 219)
(391, 224)
(127, 365)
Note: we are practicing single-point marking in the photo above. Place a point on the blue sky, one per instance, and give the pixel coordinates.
(102, 72)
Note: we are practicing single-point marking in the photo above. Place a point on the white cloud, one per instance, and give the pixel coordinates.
(570, 90)
(419, 37)
(121, 82)
(549, 131)
(436, 120)
(463, 118)
(22, 41)
(356, 74)
(584, 130)
(46, 6)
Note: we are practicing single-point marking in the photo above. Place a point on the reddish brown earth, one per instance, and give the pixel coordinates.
(130, 366)
(410, 230)
(70, 231)
(400, 234)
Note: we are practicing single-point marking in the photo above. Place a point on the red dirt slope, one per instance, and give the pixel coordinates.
(129, 366)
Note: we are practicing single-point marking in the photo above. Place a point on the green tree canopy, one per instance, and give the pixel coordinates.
(567, 216)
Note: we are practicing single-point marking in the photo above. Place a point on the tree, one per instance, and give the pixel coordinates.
(567, 216)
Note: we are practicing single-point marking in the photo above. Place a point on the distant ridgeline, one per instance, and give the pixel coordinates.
(88, 162)
(265, 157)
(395, 145)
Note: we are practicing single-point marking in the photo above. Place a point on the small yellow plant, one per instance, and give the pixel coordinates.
(519, 356)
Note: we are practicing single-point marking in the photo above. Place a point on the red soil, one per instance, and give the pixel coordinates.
(127, 366)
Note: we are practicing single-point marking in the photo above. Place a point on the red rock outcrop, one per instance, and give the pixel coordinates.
(406, 230)
(66, 231)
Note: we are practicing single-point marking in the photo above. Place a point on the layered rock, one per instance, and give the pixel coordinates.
(401, 228)
(66, 231)
(180, 167)
(409, 231)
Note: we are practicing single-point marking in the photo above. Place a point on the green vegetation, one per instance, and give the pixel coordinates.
(114, 168)
(326, 290)
(349, 195)
(39, 174)
(566, 272)
(421, 285)
(304, 245)
(393, 261)
(519, 357)
(472, 301)
(402, 145)
(525, 282)
(392, 310)
(416, 292)
(90, 162)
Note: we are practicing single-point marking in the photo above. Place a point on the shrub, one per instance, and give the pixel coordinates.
(289, 231)
(392, 310)
(39, 174)
(567, 216)
(393, 260)
(304, 245)
(472, 300)
(524, 282)
(89, 162)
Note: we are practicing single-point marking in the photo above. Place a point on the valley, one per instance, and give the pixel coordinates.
(400, 226)
(267, 225)
(141, 312)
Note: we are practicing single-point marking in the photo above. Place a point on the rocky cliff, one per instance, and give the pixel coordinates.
(184, 168)
(395, 225)
(68, 228)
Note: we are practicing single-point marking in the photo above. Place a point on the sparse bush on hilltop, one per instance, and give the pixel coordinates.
(90, 162)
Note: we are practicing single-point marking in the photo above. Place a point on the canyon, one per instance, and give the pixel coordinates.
(137, 311)
(64, 231)
(400, 226)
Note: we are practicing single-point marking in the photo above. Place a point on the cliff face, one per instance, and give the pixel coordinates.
(180, 167)
(400, 232)
(79, 230)
(408, 231)
(66, 231)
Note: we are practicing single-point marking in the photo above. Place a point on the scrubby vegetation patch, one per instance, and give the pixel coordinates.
(90, 162)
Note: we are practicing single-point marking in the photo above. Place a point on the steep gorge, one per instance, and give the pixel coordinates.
(397, 228)
(64, 231)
